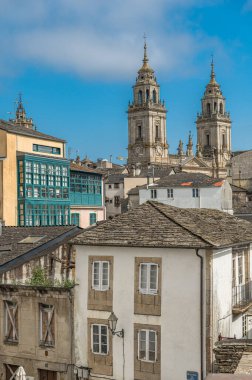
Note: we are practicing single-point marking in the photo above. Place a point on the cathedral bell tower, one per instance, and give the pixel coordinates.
(146, 121)
(21, 118)
(214, 124)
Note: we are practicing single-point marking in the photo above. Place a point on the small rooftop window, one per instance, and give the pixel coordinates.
(31, 239)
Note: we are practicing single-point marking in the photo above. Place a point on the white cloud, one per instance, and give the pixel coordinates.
(247, 6)
(99, 38)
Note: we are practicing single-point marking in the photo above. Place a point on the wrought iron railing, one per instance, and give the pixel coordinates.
(242, 295)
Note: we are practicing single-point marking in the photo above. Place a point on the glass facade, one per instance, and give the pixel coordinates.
(85, 188)
(43, 191)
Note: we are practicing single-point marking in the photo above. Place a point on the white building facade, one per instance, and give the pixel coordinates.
(173, 281)
(210, 193)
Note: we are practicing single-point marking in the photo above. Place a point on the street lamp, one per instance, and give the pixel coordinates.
(112, 320)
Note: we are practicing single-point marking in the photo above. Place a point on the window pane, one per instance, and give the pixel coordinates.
(105, 274)
(143, 282)
(96, 273)
(142, 344)
(104, 349)
(95, 329)
(153, 277)
(96, 347)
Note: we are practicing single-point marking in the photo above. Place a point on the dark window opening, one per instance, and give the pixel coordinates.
(140, 97)
(208, 108)
(139, 131)
(147, 95)
(154, 96)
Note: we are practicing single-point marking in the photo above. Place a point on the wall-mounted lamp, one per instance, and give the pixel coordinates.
(112, 320)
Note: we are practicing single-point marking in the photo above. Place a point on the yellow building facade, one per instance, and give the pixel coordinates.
(16, 140)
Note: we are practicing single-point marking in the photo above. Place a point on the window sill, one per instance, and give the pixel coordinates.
(147, 294)
(46, 345)
(11, 342)
(147, 361)
(100, 290)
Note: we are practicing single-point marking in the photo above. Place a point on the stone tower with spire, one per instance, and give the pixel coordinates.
(21, 118)
(214, 124)
(146, 121)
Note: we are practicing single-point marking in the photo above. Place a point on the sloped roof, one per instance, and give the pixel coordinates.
(198, 180)
(19, 130)
(82, 168)
(157, 225)
(189, 180)
(12, 251)
(116, 178)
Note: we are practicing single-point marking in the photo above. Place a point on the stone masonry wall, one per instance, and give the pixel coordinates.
(228, 354)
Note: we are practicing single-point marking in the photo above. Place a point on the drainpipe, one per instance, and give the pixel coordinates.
(201, 314)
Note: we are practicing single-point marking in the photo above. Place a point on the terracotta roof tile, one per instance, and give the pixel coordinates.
(157, 225)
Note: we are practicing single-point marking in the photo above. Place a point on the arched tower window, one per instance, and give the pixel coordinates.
(221, 108)
(140, 97)
(147, 95)
(154, 96)
(139, 131)
(207, 140)
(215, 106)
(208, 108)
(157, 132)
(223, 141)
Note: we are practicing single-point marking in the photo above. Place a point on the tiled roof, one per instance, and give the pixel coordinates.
(157, 225)
(181, 180)
(81, 168)
(19, 130)
(189, 180)
(116, 178)
(11, 248)
(135, 190)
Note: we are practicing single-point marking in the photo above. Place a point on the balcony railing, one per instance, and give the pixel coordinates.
(242, 295)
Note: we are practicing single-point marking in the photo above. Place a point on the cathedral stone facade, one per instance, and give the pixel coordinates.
(147, 141)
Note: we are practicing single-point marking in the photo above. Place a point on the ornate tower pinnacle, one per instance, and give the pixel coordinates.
(189, 151)
(212, 80)
(21, 118)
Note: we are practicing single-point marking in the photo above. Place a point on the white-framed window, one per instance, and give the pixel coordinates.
(100, 343)
(169, 193)
(100, 275)
(147, 345)
(195, 193)
(148, 278)
(238, 263)
(153, 194)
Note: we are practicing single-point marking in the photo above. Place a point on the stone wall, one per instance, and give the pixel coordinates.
(228, 354)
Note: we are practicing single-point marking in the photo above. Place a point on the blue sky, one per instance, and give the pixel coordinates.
(75, 62)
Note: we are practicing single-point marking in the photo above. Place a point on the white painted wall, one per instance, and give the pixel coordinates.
(222, 293)
(219, 198)
(224, 321)
(180, 309)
